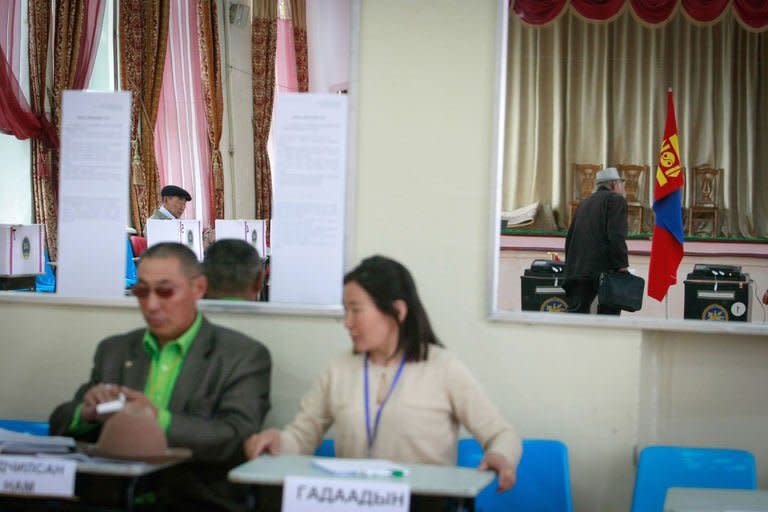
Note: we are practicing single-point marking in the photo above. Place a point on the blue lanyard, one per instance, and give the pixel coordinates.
(372, 432)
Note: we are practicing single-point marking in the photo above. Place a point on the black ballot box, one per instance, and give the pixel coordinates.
(717, 292)
(541, 286)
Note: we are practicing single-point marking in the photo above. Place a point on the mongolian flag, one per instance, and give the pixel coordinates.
(667, 242)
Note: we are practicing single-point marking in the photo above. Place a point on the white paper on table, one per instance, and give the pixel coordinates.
(308, 221)
(93, 199)
(18, 442)
(360, 467)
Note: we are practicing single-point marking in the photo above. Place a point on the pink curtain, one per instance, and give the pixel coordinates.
(287, 77)
(753, 13)
(89, 42)
(181, 131)
(16, 116)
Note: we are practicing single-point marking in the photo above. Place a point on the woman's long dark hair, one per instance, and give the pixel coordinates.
(386, 281)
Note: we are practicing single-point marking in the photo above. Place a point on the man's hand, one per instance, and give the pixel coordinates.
(499, 463)
(99, 393)
(269, 440)
(137, 399)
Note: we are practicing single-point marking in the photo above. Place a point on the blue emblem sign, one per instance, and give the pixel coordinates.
(26, 248)
(553, 305)
(190, 238)
(254, 237)
(715, 312)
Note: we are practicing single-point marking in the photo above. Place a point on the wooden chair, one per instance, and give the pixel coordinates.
(636, 192)
(704, 194)
(582, 184)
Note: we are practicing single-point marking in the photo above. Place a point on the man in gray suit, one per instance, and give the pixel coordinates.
(208, 386)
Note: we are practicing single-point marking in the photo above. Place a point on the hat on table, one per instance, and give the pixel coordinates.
(134, 434)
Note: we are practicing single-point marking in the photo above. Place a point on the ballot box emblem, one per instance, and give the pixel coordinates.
(715, 312)
(254, 237)
(190, 238)
(26, 248)
(554, 305)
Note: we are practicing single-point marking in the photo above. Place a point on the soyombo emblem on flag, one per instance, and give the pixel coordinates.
(669, 175)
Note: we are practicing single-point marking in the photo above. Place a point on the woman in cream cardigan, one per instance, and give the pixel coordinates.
(399, 394)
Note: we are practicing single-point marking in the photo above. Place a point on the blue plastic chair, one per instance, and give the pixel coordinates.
(38, 428)
(661, 467)
(326, 449)
(543, 478)
(130, 266)
(46, 283)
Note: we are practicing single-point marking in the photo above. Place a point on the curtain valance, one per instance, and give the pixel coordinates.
(753, 14)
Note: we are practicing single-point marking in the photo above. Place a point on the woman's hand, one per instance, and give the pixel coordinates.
(499, 463)
(269, 441)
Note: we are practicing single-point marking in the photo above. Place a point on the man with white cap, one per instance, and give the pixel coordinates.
(596, 242)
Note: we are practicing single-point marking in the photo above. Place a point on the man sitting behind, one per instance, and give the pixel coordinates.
(208, 386)
(234, 270)
(173, 201)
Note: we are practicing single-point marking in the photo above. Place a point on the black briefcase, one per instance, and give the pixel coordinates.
(621, 290)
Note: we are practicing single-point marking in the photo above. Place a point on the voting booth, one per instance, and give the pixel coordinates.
(541, 287)
(187, 232)
(717, 292)
(22, 249)
(253, 231)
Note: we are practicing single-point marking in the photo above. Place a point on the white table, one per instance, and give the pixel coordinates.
(424, 479)
(688, 499)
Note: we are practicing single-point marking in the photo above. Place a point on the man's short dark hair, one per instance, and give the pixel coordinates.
(185, 256)
(231, 266)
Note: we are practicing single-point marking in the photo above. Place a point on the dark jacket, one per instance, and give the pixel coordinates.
(221, 396)
(596, 240)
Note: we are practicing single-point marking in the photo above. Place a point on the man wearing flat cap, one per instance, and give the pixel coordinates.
(174, 200)
(596, 242)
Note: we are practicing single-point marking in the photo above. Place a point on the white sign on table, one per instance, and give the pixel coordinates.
(93, 199)
(303, 494)
(39, 476)
(307, 237)
(253, 231)
(21, 249)
(187, 232)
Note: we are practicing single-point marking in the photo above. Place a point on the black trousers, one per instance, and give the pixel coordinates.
(581, 293)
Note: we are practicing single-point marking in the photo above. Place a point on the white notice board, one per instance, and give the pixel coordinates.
(93, 193)
(308, 216)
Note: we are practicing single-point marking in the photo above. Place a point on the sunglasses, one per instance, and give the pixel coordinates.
(142, 291)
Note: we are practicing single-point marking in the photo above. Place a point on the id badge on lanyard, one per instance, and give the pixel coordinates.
(372, 431)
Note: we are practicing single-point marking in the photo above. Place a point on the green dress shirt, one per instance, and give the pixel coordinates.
(164, 369)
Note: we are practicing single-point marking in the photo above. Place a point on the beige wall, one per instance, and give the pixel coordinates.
(422, 196)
